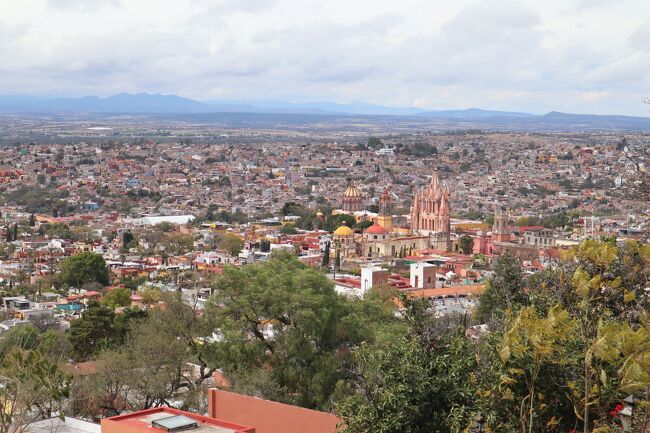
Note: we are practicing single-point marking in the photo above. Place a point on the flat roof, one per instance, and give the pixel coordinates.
(66, 425)
(137, 421)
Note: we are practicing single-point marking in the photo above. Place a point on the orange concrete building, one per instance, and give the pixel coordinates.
(268, 416)
(227, 413)
(168, 420)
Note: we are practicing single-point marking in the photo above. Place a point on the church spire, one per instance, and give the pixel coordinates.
(434, 180)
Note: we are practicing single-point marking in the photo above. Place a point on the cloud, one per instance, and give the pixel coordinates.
(506, 54)
(81, 5)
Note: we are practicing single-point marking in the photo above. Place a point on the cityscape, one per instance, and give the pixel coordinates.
(179, 258)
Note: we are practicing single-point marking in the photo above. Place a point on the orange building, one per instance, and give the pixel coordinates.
(268, 416)
(166, 420)
(227, 413)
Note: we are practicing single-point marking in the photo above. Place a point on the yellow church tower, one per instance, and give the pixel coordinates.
(384, 219)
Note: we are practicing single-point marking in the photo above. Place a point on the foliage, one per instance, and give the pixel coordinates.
(374, 142)
(177, 244)
(529, 345)
(32, 387)
(284, 321)
(504, 291)
(159, 345)
(420, 382)
(363, 224)
(289, 229)
(83, 268)
(231, 243)
(117, 297)
(335, 221)
(326, 256)
(128, 240)
(466, 244)
(92, 332)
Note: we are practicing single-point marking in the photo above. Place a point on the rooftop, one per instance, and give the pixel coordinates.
(165, 420)
(66, 425)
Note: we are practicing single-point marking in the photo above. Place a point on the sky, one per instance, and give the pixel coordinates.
(580, 56)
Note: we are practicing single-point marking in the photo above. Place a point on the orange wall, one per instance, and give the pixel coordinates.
(268, 416)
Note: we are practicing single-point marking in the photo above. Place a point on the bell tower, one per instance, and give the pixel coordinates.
(500, 232)
(385, 219)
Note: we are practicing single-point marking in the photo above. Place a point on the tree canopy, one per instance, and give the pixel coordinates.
(285, 333)
(83, 268)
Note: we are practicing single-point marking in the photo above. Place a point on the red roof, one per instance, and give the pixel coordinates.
(376, 229)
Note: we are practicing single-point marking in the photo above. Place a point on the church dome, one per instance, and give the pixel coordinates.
(352, 191)
(344, 230)
(376, 229)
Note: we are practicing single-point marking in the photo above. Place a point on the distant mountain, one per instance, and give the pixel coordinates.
(322, 107)
(273, 111)
(473, 113)
(121, 103)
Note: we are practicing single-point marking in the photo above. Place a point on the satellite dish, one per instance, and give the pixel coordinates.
(625, 149)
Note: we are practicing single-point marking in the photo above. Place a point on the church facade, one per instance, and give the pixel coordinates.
(430, 213)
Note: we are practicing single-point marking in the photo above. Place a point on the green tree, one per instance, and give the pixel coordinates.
(374, 142)
(326, 256)
(420, 381)
(83, 268)
(363, 224)
(92, 332)
(177, 243)
(480, 261)
(232, 243)
(466, 244)
(337, 260)
(33, 387)
(289, 229)
(32, 220)
(504, 291)
(532, 343)
(118, 297)
(335, 221)
(19, 337)
(127, 239)
(285, 332)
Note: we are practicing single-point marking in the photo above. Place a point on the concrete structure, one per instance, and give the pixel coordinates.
(148, 421)
(423, 275)
(154, 220)
(500, 232)
(65, 425)
(373, 276)
(268, 416)
(539, 237)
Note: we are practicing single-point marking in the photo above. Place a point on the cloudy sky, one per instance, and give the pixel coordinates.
(528, 55)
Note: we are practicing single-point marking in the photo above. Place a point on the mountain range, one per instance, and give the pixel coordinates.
(156, 104)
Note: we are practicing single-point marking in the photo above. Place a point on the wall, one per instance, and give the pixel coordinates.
(268, 416)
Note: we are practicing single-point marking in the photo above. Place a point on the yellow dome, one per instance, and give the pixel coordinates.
(344, 230)
(352, 191)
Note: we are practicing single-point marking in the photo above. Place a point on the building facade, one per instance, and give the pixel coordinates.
(430, 213)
